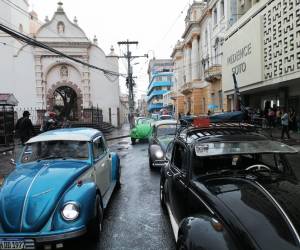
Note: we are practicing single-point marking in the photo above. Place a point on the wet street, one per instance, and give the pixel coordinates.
(134, 219)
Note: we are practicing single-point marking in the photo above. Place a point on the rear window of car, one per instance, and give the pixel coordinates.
(166, 129)
(55, 149)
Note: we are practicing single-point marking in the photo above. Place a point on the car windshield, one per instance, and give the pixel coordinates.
(55, 149)
(165, 117)
(166, 129)
(222, 164)
(143, 121)
(242, 147)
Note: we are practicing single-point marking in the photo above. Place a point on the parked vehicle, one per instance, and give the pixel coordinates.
(138, 118)
(227, 187)
(163, 132)
(141, 130)
(155, 117)
(165, 117)
(61, 185)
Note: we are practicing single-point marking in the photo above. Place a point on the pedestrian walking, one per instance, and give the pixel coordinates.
(285, 124)
(24, 127)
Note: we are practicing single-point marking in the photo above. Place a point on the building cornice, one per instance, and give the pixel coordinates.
(189, 27)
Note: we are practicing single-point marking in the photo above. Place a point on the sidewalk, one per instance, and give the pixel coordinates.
(275, 134)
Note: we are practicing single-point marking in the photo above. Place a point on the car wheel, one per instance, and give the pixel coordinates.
(95, 227)
(133, 141)
(150, 163)
(180, 245)
(118, 184)
(162, 195)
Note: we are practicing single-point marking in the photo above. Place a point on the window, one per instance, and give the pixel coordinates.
(179, 156)
(169, 151)
(55, 149)
(21, 28)
(60, 27)
(215, 16)
(98, 148)
(220, 99)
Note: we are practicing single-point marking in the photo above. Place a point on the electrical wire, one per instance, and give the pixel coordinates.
(24, 12)
(30, 41)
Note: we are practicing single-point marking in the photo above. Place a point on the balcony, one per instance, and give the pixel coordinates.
(155, 106)
(156, 93)
(213, 73)
(186, 88)
(154, 85)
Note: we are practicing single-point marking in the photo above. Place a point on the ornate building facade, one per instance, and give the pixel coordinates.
(263, 49)
(45, 81)
(197, 58)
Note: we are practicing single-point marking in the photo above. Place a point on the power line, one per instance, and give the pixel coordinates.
(129, 80)
(30, 41)
(25, 13)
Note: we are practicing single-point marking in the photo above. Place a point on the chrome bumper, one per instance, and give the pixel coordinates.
(39, 238)
(160, 163)
(60, 237)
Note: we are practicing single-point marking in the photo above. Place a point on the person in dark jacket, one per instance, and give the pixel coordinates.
(24, 127)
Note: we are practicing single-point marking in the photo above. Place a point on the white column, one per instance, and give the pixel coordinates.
(40, 94)
(86, 88)
(195, 59)
(188, 63)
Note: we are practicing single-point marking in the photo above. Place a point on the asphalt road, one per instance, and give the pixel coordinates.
(134, 219)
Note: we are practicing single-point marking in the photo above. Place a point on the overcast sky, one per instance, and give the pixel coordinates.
(155, 24)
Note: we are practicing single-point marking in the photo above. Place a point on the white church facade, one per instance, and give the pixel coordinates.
(44, 81)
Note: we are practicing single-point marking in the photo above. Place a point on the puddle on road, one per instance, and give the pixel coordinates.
(122, 148)
(123, 142)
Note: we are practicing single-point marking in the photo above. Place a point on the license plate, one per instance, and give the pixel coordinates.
(12, 244)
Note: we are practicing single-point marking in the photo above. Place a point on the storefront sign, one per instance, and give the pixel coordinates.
(242, 55)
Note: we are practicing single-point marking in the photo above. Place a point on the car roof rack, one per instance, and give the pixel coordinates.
(189, 130)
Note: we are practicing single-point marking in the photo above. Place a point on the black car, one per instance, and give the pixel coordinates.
(229, 187)
(162, 134)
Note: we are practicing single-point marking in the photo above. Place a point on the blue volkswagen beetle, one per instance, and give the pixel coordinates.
(62, 182)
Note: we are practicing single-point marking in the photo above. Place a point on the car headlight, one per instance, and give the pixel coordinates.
(159, 154)
(70, 211)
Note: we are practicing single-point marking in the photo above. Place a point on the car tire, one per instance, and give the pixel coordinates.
(162, 196)
(180, 245)
(133, 141)
(95, 227)
(150, 163)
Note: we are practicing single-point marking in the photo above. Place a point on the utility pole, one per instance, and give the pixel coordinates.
(129, 79)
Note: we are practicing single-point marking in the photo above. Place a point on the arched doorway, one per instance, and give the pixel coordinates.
(65, 103)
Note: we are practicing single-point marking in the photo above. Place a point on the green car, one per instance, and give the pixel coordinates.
(142, 130)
